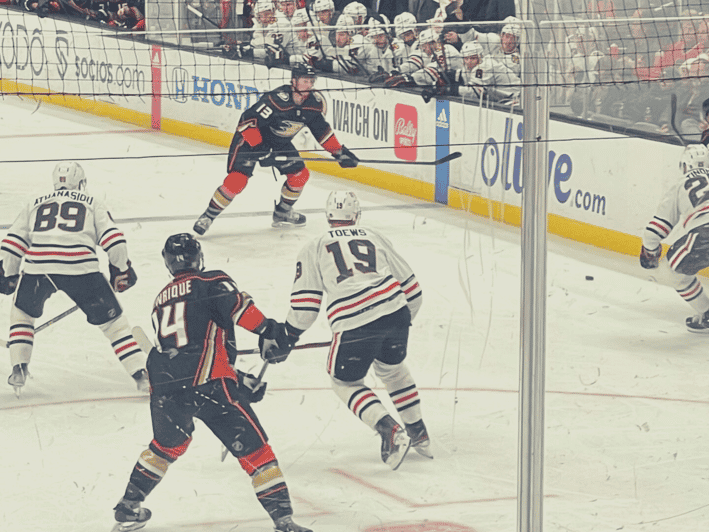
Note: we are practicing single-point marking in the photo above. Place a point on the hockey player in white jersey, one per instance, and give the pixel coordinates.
(441, 58)
(359, 15)
(305, 45)
(57, 234)
(372, 297)
(482, 77)
(407, 56)
(503, 47)
(324, 19)
(356, 54)
(684, 207)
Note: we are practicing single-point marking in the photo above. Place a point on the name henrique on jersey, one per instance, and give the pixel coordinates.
(57, 234)
(279, 119)
(686, 201)
(363, 276)
(193, 319)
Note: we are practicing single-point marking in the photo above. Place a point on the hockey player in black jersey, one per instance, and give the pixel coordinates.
(265, 131)
(192, 376)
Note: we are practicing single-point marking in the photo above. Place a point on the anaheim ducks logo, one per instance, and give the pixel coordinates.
(320, 99)
(287, 128)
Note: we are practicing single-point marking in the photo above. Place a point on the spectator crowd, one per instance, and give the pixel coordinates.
(612, 61)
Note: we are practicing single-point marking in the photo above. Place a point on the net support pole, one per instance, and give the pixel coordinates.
(530, 488)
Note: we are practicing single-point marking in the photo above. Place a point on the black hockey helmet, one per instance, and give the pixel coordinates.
(300, 70)
(183, 252)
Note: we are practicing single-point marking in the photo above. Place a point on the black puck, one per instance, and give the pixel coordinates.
(589, 277)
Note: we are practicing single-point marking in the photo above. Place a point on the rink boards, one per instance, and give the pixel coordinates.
(603, 187)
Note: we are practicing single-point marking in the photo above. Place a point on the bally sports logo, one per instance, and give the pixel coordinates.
(405, 132)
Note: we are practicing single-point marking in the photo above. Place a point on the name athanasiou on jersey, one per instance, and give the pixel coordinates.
(58, 233)
(364, 277)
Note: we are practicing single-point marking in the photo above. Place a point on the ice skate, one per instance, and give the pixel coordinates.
(202, 224)
(141, 380)
(419, 438)
(286, 524)
(18, 377)
(130, 516)
(395, 442)
(698, 323)
(285, 215)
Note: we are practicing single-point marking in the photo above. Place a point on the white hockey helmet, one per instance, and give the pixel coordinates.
(300, 17)
(511, 19)
(342, 208)
(471, 48)
(512, 29)
(262, 6)
(428, 35)
(376, 27)
(345, 23)
(404, 22)
(323, 5)
(355, 10)
(693, 156)
(69, 176)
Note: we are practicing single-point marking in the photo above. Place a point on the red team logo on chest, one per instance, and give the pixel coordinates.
(405, 132)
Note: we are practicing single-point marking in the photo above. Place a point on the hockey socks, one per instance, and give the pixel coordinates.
(124, 345)
(268, 482)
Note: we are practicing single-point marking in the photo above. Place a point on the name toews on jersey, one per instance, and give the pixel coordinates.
(363, 276)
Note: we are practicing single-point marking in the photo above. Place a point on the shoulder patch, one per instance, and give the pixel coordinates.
(479, 73)
(298, 271)
(283, 95)
(321, 101)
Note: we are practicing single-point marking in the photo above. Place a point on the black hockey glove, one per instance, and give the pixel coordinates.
(8, 284)
(122, 281)
(273, 342)
(346, 158)
(252, 390)
(401, 80)
(650, 259)
(380, 76)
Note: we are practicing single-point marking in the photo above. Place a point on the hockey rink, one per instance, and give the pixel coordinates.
(627, 395)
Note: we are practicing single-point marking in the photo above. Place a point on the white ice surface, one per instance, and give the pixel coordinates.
(627, 402)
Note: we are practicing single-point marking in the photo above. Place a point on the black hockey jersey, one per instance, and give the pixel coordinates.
(278, 118)
(193, 318)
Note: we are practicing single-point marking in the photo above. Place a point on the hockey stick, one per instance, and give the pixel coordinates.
(202, 16)
(442, 160)
(673, 116)
(48, 323)
(146, 344)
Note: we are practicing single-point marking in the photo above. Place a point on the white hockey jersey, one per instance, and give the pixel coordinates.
(407, 59)
(58, 233)
(493, 48)
(362, 275)
(490, 74)
(359, 58)
(440, 62)
(686, 201)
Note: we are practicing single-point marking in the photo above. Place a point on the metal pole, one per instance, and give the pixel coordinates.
(530, 488)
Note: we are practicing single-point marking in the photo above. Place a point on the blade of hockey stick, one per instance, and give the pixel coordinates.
(46, 324)
(142, 339)
(673, 116)
(442, 160)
